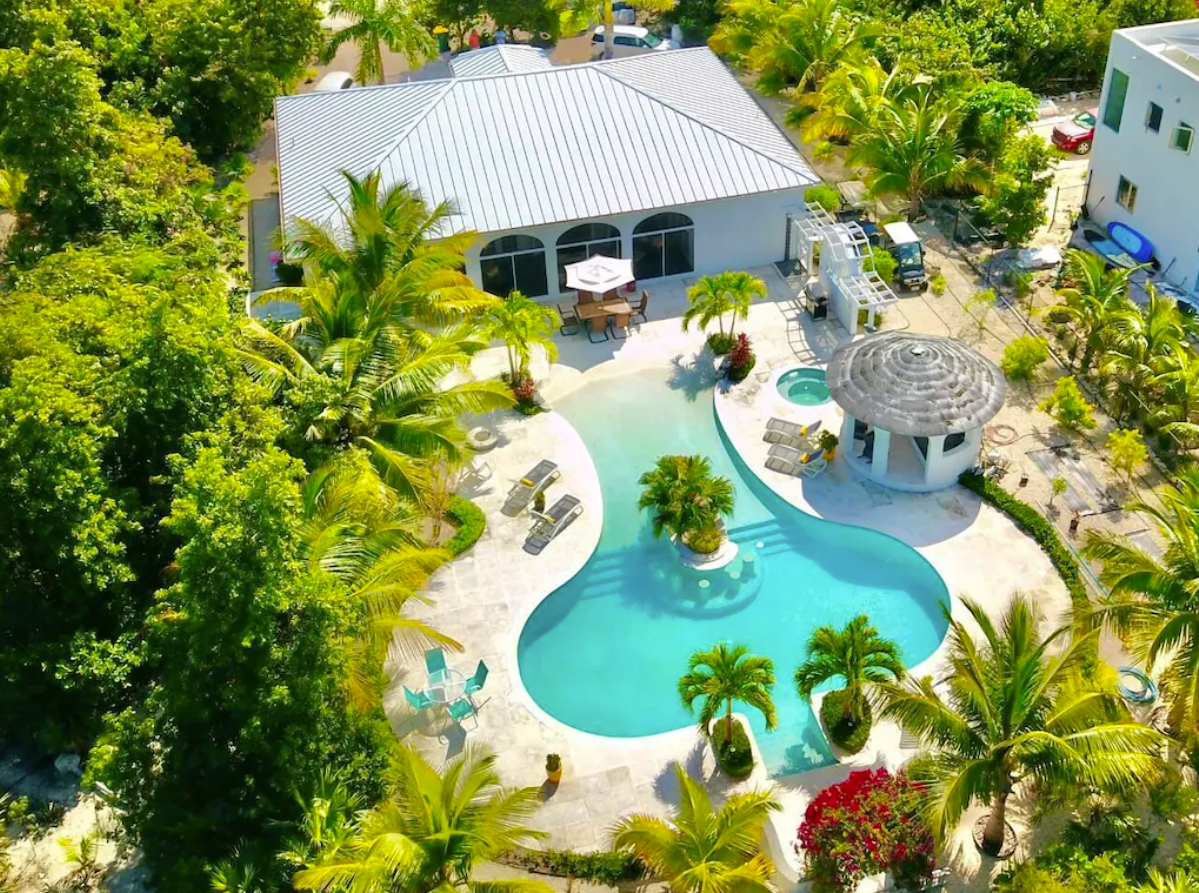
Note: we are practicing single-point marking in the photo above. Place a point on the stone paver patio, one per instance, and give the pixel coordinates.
(484, 598)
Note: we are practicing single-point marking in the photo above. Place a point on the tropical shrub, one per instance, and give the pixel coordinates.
(870, 823)
(741, 359)
(706, 540)
(524, 390)
(720, 343)
(1068, 406)
(937, 284)
(849, 732)
(1127, 451)
(1023, 357)
(471, 523)
(609, 869)
(734, 754)
(882, 262)
(823, 195)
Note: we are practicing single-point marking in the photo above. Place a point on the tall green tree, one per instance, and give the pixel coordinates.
(1016, 709)
(723, 674)
(704, 850)
(522, 324)
(915, 152)
(1152, 601)
(684, 495)
(1142, 342)
(714, 297)
(849, 101)
(857, 654)
(249, 702)
(793, 44)
(431, 832)
(375, 24)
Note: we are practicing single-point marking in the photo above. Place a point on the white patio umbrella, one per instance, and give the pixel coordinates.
(599, 274)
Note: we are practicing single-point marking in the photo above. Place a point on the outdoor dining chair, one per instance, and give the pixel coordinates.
(418, 700)
(641, 306)
(570, 320)
(461, 709)
(434, 661)
(476, 682)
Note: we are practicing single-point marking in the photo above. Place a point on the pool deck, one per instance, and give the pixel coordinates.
(484, 597)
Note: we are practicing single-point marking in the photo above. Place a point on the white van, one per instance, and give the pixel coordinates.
(628, 40)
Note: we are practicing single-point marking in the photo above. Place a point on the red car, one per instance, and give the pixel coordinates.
(1076, 134)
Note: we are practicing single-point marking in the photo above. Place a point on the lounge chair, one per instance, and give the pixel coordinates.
(434, 661)
(780, 431)
(476, 682)
(551, 522)
(539, 477)
(418, 700)
(795, 462)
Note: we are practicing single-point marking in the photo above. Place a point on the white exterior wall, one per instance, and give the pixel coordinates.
(1167, 180)
(731, 234)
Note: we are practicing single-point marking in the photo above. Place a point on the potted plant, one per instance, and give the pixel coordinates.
(685, 499)
(553, 768)
(539, 501)
(828, 443)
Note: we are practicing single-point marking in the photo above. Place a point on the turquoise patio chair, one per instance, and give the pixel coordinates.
(476, 682)
(434, 661)
(418, 700)
(461, 709)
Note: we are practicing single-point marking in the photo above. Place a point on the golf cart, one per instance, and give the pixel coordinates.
(901, 241)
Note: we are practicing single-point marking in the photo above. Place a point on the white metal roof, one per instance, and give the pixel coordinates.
(503, 58)
(526, 149)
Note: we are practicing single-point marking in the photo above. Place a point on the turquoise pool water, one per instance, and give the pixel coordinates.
(603, 653)
(804, 387)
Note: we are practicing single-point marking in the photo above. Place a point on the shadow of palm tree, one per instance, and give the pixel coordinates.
(695, 377)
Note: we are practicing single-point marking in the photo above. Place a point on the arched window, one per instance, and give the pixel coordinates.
(584, 240)
(514, 262)
(663, 245)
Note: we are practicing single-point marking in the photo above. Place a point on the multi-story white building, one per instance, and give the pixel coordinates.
(1144, 163)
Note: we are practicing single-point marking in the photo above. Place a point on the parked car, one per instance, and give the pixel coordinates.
(628, 40)
(1076, 134)
(334, 80)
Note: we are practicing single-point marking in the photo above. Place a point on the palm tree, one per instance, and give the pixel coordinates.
(580, 14)
(389, 242)
(357, 529)
(375, 24)
(913, 151)
(1177, 882)
(522, 324)
(1016, 708)
(431, 833)
(684, 495)
(1142, 342)
(1177, 408)
(725, 674)
(711, 297)
(793, 44)
(1092, 299)
(849, 101)
(703, 850)
(1154, 602)
(857, 654)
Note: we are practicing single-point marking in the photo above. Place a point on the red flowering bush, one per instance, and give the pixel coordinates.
(524, 389)
(740, 359)
(867, 824)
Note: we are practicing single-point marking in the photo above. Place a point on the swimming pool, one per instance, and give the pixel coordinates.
(804, 387)
(603, 653)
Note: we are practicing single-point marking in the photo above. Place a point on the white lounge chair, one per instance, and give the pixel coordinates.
(795, 462)
(790, 433)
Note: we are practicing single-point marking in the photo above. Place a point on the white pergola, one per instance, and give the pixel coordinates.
(844, 248)
(916, 404)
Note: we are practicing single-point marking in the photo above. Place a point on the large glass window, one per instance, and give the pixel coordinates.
(1117, 92)
(1153, 118)
(663, 245)
(514, 263)
(582, 242)
(1126, 195)
(1182, 136)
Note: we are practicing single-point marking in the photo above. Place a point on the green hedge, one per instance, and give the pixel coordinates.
(609, 869)
(736, 757)
(849, 737)
(471, 523)
(1035, 525)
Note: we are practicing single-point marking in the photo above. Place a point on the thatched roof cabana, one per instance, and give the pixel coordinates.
(915, 385)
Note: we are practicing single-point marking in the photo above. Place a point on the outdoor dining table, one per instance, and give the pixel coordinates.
(446, 685)
(597, 312)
